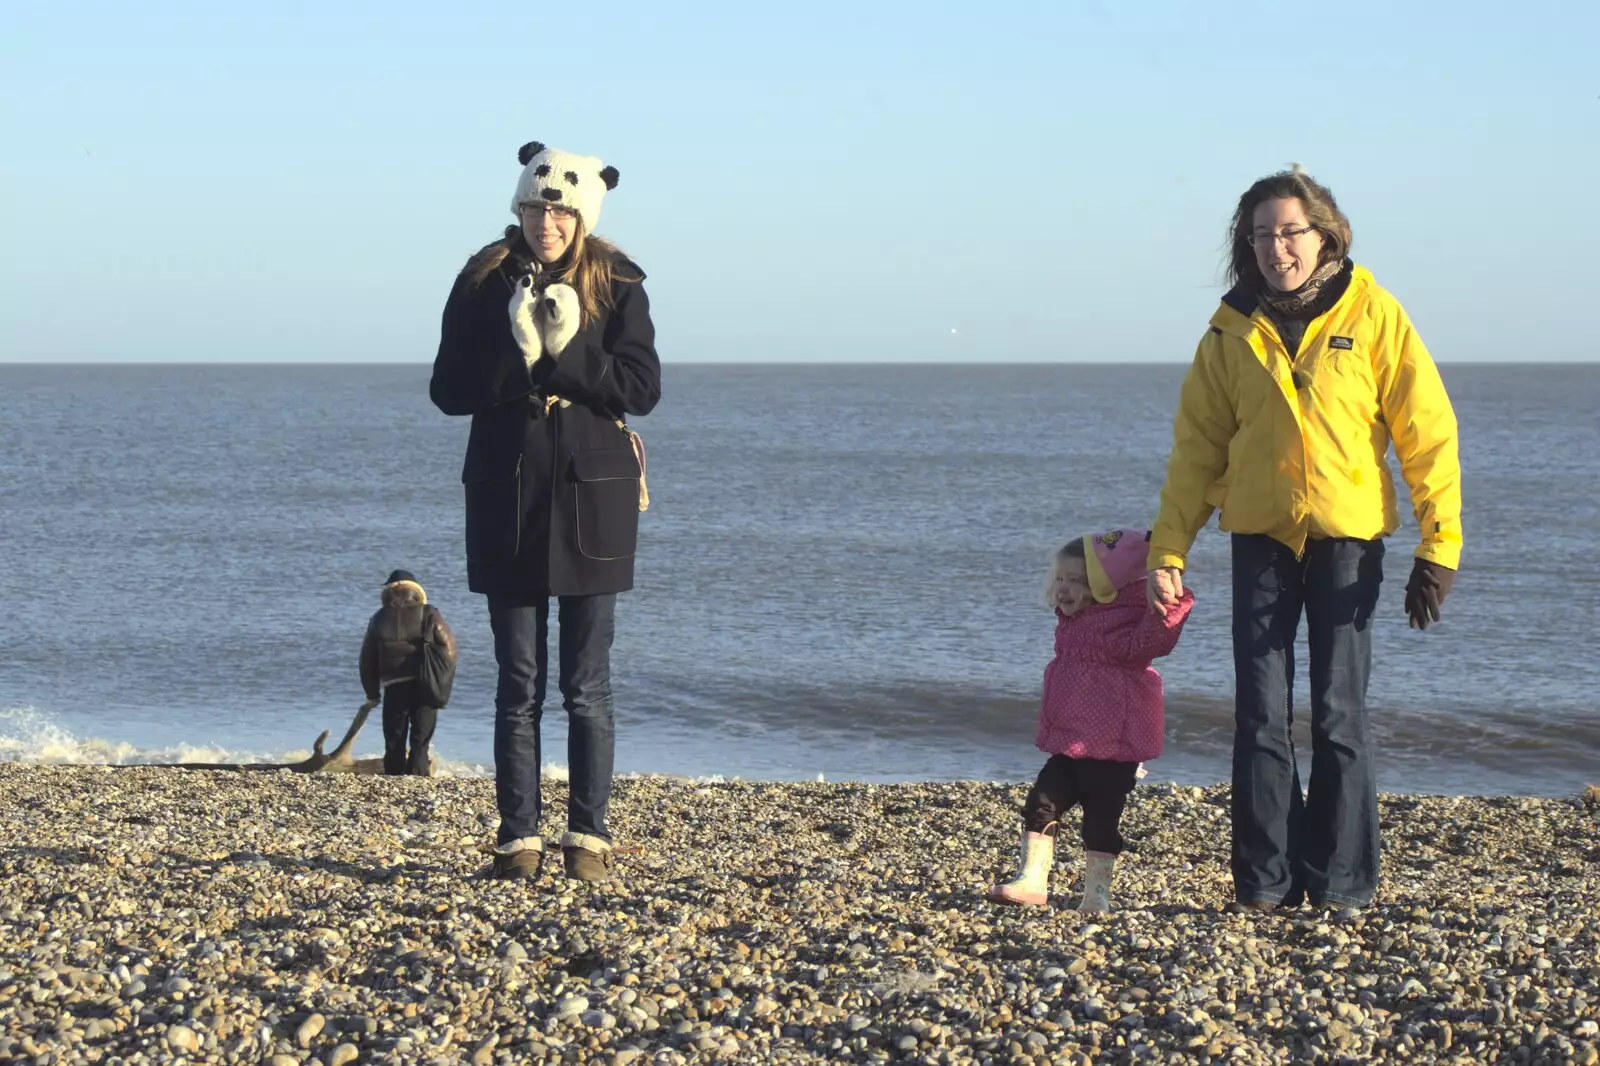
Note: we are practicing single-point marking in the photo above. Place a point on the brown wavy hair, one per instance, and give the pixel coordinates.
(591, 266)
(1322, 211)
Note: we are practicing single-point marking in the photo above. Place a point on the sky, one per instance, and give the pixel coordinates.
(817, 182)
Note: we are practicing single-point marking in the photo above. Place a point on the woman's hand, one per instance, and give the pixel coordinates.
(1164, 588)
(524, 328)
(558, 318)
(1429, 585)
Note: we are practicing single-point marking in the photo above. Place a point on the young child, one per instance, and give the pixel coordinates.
(1101, 714)
(389, 653)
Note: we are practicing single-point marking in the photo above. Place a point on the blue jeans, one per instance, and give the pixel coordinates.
(1323, 844)
(520, 638)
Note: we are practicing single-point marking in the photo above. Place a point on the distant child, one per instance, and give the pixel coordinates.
(1101, 713)
(390, 653)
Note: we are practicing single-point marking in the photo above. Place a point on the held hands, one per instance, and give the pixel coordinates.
(1429, 585)
(1164, 588)
(542, 321)
(558, 317)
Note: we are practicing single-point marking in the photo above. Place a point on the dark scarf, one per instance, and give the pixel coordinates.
(1293, 311)
(1298, 301)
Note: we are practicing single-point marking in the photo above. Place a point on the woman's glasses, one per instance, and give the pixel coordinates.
(1287, 236)
(560, 214)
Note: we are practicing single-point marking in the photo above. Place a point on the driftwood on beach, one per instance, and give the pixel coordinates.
(338, 761)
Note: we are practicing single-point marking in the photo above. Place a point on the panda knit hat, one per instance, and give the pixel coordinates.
(551, 176)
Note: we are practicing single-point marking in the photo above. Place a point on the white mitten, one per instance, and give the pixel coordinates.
(524, 327)
(558, 317)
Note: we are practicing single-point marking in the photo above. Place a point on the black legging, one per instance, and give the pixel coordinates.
(1099, 786)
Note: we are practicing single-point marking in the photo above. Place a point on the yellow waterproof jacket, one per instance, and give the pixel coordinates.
(1295, 448)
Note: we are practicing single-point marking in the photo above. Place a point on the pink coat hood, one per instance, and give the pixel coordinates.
(1101, 698)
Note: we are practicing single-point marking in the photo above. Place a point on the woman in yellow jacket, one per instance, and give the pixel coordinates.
(1307, 374)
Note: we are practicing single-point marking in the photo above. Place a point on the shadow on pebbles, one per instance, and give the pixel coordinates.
(151, 915)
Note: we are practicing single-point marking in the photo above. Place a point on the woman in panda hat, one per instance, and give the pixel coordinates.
(547, 344)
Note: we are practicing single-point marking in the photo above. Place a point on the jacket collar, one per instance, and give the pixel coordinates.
(520, 260)
(1239, 305)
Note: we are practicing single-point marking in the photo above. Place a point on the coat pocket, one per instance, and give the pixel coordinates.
(494, 513)
(606, 502)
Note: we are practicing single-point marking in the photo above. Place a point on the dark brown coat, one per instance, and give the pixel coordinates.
(394, 637)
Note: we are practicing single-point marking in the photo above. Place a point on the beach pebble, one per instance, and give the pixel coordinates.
(309, 1030)
(785, 923)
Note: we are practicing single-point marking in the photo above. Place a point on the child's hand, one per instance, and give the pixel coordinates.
(1164, 588)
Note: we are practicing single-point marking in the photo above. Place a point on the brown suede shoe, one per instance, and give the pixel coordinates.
(588, 858)
(519, 860)
(1259, 906)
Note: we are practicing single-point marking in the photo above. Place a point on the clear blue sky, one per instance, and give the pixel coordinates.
(823, 181)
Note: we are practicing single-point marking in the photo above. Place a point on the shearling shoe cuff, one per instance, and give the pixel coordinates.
(511, 847)
(585, 841)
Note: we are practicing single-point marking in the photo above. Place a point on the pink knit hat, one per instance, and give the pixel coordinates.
(1115, 560)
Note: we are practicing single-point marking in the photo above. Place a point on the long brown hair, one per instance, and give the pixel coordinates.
(1322, 211)
(592, 265)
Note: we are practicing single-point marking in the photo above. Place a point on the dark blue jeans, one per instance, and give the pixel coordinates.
(520, 638)
(1325, 843)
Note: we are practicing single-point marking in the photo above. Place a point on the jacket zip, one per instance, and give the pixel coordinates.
(1272, 343)
(516, 480)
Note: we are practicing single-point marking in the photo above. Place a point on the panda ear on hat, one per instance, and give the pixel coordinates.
(609, 175)
(528, 151)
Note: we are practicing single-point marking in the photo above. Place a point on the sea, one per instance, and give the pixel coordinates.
(839, 577)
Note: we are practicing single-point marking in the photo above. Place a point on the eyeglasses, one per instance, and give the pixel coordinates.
(1288, 236)
(561, 214)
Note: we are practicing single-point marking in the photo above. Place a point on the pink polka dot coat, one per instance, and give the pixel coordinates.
(1102, 699)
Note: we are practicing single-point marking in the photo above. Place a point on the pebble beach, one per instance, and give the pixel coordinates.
(157, 915)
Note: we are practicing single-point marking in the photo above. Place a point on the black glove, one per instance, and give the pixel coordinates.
(1425, 592)
(524, 269)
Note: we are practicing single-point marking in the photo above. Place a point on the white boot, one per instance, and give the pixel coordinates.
(1097, 871)
(1032, 883)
